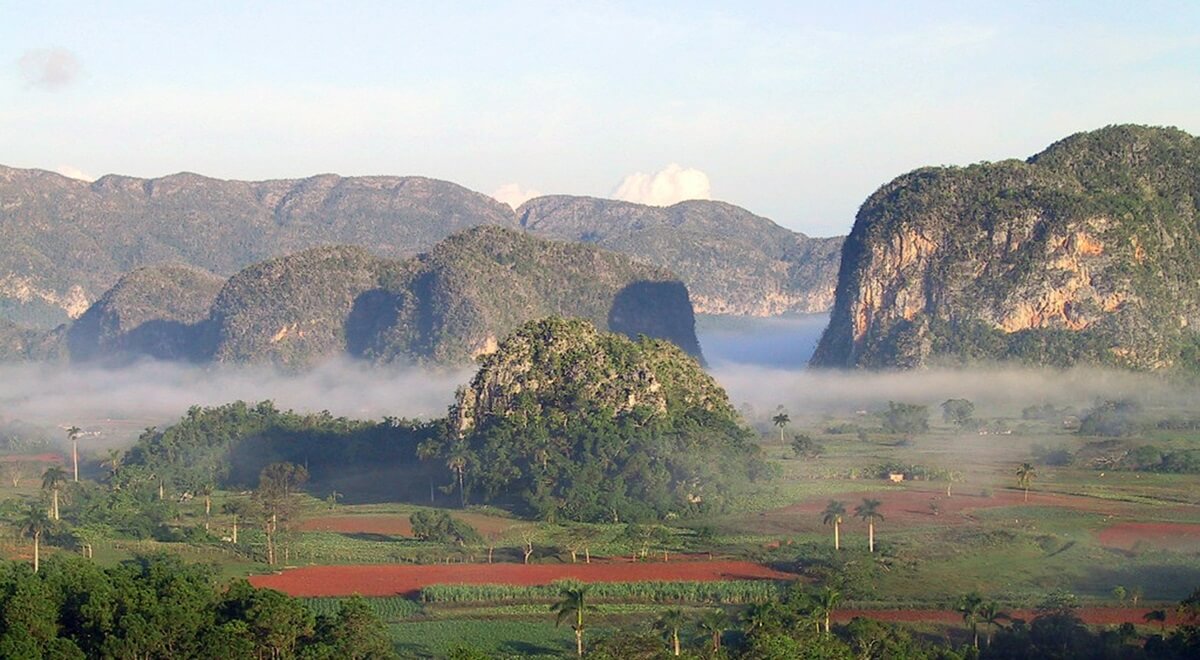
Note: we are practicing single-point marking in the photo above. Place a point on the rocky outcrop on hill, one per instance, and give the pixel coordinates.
(733, 261)
(1088, 252)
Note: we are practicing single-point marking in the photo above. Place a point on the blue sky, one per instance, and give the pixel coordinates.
(795, 111)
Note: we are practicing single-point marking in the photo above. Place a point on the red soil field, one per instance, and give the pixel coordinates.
(397, 525)
(1170, 536)
(408, 579)
(1094, 616)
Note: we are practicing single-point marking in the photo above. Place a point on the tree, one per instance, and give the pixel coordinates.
(969, 607)
(669, 622)
(276, 484)
(714, 623)
(958, 411)
(832, 515)
(206, 491)
(990, 614)
(52, 480)
(1025, 476)
(824, 603)
(905, 418)
(457, 462)
(1157, 616)
(33, 524)
(113, 462)
(953, 477)
(237, 510)
(869, 512)
(573, 605)
(781, 420)
(73, 434)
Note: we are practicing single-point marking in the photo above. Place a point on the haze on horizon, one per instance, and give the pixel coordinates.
(795, 111)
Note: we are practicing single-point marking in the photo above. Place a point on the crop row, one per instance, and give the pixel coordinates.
(723, 592)
(392, 608)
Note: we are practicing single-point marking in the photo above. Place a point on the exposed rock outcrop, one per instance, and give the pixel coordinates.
(1087, 252)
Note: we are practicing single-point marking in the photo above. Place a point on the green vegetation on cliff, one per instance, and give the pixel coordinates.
(1089, 252)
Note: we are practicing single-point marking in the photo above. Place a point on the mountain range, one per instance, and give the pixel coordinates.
(68, 241)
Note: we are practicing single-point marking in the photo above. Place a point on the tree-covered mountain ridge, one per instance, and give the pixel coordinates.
(445, 306)
(1088, 252)
(68, 241)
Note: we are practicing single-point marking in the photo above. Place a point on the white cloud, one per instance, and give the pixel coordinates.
(670, 185)
(49, 68)
(514, 195)
(72, 172)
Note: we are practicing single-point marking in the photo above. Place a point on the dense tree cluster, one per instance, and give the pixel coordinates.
(161, 607)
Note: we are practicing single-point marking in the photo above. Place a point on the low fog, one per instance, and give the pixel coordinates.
(119, 403)
(761, 362)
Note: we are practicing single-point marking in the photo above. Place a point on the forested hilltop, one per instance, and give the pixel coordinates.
(445, 307)
(1088, 252)
(68, 241)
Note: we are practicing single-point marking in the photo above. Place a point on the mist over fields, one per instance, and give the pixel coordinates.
(760, 362)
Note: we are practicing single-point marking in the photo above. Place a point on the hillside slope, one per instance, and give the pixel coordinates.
(733, 261)
(1088, 252)
(445, 307)
(67, 241)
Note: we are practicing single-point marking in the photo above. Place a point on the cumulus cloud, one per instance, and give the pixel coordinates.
(72, 172)
(49, 68)
(514, 195)
(672, 184)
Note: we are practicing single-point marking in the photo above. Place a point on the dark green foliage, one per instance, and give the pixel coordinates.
(564, 422)
(230, 445)
(905, 418)
(440, 527)
(160, 607)
(804, 446)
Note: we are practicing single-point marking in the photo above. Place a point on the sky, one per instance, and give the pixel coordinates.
(796, 111)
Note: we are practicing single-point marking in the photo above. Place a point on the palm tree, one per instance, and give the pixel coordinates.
(781, 420)
(670, 621)
(34, 524)
(1025, 476)
(969, 606)
(991, 615)
(52, 480)
(825, 602)
(869, 512)
(832, 515)
(714, 622)
(236, 509)
(457, 463)
(114, 465)
(573, 604)
(1157, 615)
(73, 434)
(952, 477)
(207, 491)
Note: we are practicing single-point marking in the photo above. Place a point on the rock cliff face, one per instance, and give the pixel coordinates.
(446, 307)
(1087, 252)
(733, 261)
